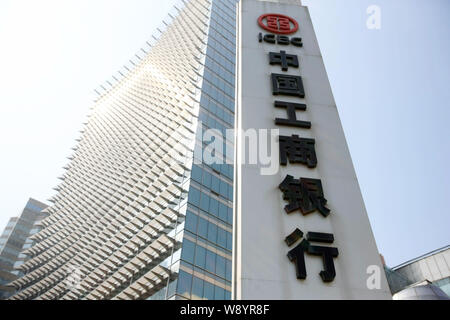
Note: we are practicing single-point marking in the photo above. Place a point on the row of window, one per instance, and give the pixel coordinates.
(218, 96)
(224, 62)
(192, 287)
(227, 74)
(213, 182)
(207, 203)
(227, 8)
(217, 109)
(219, 83)
(217, 49)
(16, 242)
(208, 230)
(206, 260)
(199, 227)
(224, 168)
(224, 80)
(222, 137)
(215, 209)
(25, 230)
(221, 42)
(33, 207)
(11, 251)
(222, 24)
(211, 123)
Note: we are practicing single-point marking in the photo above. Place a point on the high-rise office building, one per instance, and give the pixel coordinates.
(136, 217)
(16, 238)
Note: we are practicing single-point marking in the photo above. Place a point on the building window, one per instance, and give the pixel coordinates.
(184, 284)
(191, 222)
(187, 253)
(197, 288)
(202, 227)
(210, 261)
(219, 293)
(208, 292)
(200, 256)
(212, 232)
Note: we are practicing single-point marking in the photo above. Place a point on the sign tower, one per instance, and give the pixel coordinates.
(301, 229)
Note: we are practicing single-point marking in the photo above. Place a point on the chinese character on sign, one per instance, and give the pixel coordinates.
(292, 117)
(297, 150)
(284, 60)
(287, 85)
(297, 255)
(304, 194)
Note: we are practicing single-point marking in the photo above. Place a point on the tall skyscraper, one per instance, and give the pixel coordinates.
(136, 217)
(15, 238)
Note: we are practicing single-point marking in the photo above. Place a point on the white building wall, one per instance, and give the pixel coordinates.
(261, 267)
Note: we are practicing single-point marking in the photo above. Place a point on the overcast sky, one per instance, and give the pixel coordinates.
(391, 87)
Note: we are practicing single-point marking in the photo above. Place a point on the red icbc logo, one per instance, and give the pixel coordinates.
(278, 23)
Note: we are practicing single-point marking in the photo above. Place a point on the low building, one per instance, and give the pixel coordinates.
(425, 277)
(16, 238)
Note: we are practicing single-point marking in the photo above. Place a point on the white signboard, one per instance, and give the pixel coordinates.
(280, 76)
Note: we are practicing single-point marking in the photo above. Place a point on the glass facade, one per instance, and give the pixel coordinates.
(444, 285)
(205, 260)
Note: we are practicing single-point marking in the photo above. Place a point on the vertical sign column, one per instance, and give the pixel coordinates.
(301, 230)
